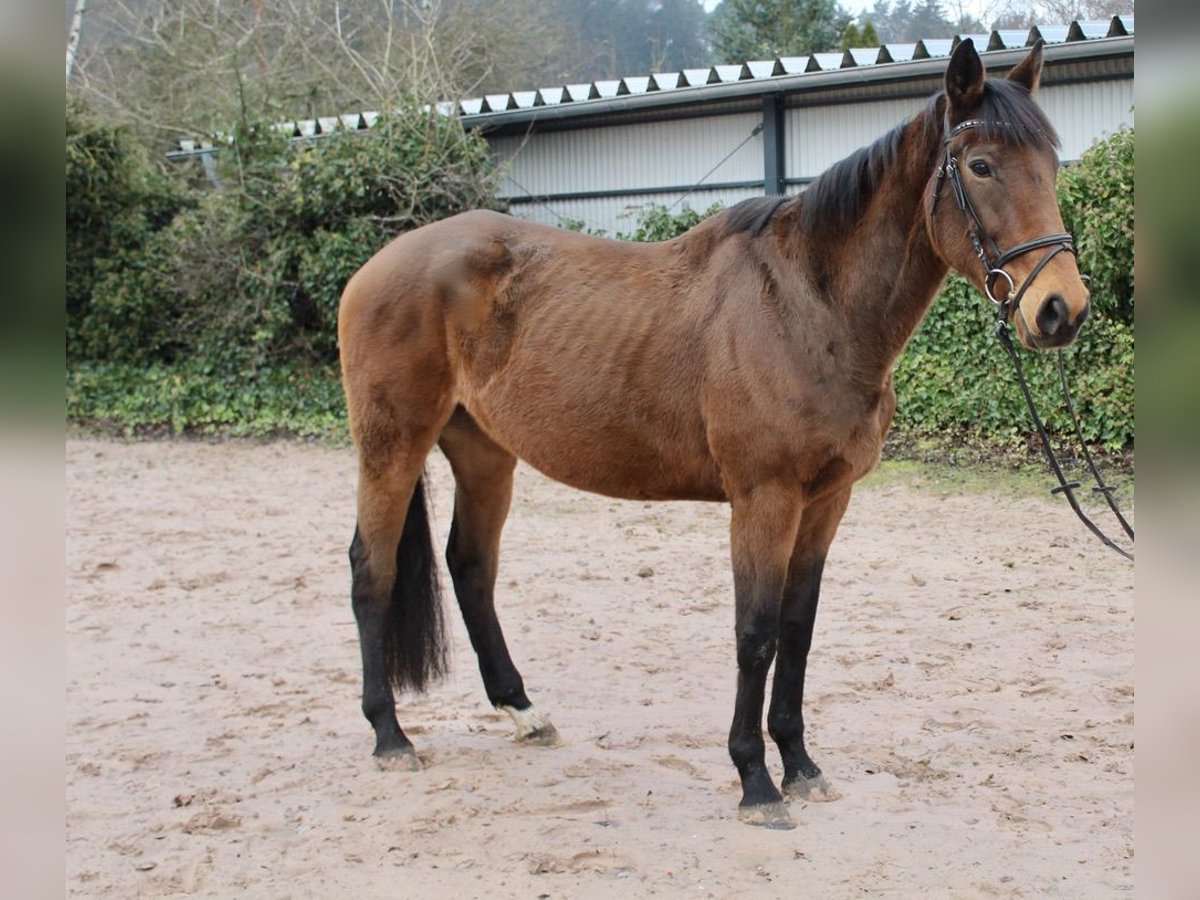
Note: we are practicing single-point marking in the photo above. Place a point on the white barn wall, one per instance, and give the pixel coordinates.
(818, 136)
(677, 153)
(1085, 113)
(653, 154)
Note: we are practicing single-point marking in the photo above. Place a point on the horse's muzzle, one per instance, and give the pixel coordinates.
(1054, 325)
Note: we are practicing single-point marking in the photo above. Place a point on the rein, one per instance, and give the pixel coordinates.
(993, 263)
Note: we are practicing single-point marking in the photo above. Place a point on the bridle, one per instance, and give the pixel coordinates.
(991, 257)
(993, 260)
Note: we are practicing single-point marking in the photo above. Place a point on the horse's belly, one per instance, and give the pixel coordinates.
(612, 455)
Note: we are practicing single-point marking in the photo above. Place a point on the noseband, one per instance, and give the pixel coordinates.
(991, 257)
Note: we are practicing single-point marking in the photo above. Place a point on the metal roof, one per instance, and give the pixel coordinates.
(787, 73)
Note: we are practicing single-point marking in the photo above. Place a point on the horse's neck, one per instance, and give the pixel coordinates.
(894, 273)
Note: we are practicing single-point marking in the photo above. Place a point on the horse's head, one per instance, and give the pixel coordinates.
(991, 207)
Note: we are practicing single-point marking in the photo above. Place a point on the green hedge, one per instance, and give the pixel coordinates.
(193, 398)
(1096, 198)
(955, 383)
(191, 308)
(115, 203)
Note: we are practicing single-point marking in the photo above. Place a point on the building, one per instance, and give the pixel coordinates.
(596, 154)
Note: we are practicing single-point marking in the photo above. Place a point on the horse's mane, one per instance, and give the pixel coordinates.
(751, 215)
(839, 196)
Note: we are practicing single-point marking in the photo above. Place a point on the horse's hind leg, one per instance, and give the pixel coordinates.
(483, 473)
(394, 576)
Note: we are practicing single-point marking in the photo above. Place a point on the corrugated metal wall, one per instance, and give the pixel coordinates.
(818, 136)
(653, 156)
(1083, 113)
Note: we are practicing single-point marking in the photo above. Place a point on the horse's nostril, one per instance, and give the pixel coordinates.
(1053, 316)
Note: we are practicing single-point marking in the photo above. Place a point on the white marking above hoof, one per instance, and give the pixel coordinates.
(533, 726)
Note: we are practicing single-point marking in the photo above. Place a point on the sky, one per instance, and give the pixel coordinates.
(977, 8)
(973, 7)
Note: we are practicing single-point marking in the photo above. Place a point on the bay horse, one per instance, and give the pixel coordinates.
(748, 361)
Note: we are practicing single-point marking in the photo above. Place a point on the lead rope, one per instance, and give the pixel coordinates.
(1066, 488)
(1101, 487)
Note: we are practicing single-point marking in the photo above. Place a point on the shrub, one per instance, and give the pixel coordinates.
(200, 308)
(658, 223)
(251, 274)
(954, 382)
(192, 397)
(1096, 197)
(115, 203)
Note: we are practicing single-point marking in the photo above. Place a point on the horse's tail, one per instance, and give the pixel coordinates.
(414, 637)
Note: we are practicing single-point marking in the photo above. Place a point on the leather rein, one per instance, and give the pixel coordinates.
(993, 260)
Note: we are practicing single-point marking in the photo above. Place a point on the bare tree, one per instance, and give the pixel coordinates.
(73, 35)
(173, 68)
(1026, 13)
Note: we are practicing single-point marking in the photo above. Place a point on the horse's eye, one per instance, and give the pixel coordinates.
(982, 169)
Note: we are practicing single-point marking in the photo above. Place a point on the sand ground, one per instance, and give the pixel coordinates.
(971, 695)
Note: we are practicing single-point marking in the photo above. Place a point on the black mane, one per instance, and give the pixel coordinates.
(838, 197)
(751, 215)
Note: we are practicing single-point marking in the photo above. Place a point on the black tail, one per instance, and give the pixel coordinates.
(414, 640)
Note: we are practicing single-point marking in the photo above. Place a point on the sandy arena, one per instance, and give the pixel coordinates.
(970, 694)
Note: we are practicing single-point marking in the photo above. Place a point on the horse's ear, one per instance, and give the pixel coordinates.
(1029, 70)
(964, 78)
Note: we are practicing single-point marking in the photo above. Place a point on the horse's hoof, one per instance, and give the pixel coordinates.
(767, 815)
(815, 790)
(402, 759)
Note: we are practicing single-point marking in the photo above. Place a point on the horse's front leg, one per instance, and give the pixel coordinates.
(802, 779)
(762, 534)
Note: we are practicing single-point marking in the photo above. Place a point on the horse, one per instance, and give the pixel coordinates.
(748, 361)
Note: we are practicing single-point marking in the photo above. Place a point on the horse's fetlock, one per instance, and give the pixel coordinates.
(746, 748)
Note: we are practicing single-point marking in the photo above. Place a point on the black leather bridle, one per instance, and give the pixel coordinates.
(991, 257)
(993, 260)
